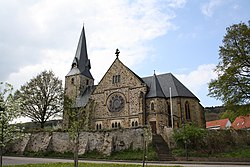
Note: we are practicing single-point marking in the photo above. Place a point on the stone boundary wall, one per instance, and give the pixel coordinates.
(105, 142)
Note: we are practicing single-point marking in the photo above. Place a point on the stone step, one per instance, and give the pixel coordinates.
(163, 152)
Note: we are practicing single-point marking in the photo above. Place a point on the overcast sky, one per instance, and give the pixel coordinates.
(177, 36)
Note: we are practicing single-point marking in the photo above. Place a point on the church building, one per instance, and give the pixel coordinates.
(122, 99)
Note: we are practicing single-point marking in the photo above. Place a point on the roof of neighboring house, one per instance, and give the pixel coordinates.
(241, 122)
(159, 86)
(220, 124)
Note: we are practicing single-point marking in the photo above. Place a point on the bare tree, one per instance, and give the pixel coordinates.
(42, 97)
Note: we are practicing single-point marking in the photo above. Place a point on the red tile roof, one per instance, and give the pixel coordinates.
(241, 122)
(220, 124)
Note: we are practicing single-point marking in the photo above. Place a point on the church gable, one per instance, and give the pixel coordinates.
(118, 76)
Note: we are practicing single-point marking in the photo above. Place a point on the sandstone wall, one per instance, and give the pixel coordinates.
(105, 142)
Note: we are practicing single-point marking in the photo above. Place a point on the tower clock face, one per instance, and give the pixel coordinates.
(116, 102)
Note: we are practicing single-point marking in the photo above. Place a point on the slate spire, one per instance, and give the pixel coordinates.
(155, 88)
(81, 63)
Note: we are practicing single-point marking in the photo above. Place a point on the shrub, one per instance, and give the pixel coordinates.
(191, 135)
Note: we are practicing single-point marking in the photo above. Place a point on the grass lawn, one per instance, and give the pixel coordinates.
(234, 153)
(80, 165)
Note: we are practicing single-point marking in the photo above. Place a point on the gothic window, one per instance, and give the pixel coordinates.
(133, 124)
(100, 126)
(136, 123)
(113, 125)
(119, 124)
(152, 106)
(187, 111)
(169, 115)
(116, 79)
(97, 126)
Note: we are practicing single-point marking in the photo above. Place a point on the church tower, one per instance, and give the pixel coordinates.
(79, 83)
(79, 77)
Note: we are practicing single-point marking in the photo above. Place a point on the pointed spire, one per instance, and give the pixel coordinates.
(155, 88)
(81, 60)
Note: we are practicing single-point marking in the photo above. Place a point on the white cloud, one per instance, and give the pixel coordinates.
(209, 8)
(198, 79)
(177, 3)
(54, 60)
(50, 31)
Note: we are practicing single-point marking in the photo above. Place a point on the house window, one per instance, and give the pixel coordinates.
(72, 80)
(187, 111)
(152, 106)
(116, 79)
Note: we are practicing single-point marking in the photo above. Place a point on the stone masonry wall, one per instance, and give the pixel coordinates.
(129, 87)
(105, 142)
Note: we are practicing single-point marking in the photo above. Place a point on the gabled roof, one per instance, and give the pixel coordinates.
(167, 81)
(242, 122)
(81, 60)
(218, 124)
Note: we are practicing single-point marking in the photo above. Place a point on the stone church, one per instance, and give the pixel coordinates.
(122, 99)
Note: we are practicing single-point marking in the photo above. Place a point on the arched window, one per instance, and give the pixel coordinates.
(169, 115)
(152, 106)
(187, 111)
(100, 126)
(113, 125)
(136, 123)
(133, 123)
(96, 126)
(119, 124)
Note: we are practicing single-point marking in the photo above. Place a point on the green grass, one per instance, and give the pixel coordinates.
(80, 165)
(237, 153)
(233, 153)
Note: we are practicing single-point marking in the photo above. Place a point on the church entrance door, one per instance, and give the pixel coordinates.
(153, 126)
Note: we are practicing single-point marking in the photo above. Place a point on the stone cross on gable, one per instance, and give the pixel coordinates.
(117, 53)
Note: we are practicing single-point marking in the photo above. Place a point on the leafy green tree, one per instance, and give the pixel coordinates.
(42, 97)
(229, 114)
(190, 135)
(232, 86)
(9, 110)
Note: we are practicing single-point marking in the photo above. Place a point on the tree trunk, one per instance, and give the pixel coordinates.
(1, 157)
(42, 125)
(76, 150)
